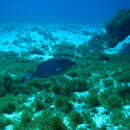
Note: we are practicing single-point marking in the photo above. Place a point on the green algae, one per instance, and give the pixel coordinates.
(93, 73)
(10, 103)
(75, 118)
(4, 122)
(118, 117)
(48, 121)
(11, 62)
(62, 103)
(118, 27)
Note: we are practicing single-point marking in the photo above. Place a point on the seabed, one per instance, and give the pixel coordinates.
(93, 95)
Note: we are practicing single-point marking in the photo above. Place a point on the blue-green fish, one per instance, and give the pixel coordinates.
(50, 68)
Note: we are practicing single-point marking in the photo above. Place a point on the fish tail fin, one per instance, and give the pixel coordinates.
(27, 78)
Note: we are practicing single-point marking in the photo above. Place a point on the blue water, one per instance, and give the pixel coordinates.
(60, 11)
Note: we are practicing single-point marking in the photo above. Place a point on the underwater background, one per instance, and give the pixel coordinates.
(60, 11)
(65, 65)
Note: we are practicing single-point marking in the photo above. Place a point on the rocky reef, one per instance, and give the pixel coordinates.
(93, 95)
(118, 28)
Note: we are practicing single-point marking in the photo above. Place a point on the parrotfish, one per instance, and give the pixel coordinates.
(50, 67)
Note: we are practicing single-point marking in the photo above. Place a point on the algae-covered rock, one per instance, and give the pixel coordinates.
(118, 28)
(97, 42)
(122, 48)
(64, 49)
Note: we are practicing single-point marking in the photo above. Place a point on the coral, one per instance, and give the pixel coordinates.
(118, 28)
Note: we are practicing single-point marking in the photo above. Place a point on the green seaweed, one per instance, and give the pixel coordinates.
(118, 117)
(4, 121)
(63, 104)
(76, 118)
(47, 121)
(7, 106)
(124, 92)
(26, 118)
(104, 77)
